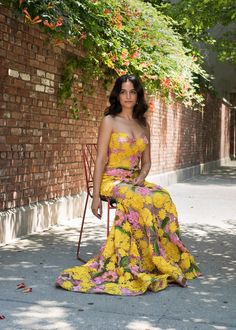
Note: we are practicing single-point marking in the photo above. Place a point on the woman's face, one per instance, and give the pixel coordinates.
(128, 95)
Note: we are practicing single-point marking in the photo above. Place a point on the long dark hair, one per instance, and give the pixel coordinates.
(139, 109)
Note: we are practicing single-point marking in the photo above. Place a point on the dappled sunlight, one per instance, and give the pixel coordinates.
(173, 323)
(24, 244)
(9, 278)
(217, 180)
(38, 259)
(140, 325)
(212, 246)
(223, 174)
(43, 313)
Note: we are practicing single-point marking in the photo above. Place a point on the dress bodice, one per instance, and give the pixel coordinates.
(125, 151)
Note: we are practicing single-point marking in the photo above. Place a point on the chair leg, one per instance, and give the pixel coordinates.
(81, 230)
(108, 216)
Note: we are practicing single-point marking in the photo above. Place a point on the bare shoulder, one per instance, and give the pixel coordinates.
(108, 122)
(106, 128)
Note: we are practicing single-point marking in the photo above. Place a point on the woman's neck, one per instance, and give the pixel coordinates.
(126, 114)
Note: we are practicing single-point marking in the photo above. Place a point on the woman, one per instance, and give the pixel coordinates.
(143, 251)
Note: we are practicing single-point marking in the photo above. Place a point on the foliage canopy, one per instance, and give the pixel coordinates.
(196, 20)
(120, 36)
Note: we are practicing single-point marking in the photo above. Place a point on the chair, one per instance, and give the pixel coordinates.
(89, 152)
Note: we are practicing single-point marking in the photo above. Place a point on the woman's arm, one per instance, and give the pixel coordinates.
(104, 134)
(145, 160)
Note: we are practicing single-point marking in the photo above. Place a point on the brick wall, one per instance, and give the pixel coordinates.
(182, 137)
(40, 144)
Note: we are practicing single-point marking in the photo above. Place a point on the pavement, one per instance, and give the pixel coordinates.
(207, 214)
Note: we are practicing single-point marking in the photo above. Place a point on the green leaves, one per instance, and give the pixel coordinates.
(124, 261)
(127, 36)
(195, 21)
(164, 222)
(156, 248)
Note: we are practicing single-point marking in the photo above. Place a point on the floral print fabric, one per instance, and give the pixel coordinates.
(144, 250)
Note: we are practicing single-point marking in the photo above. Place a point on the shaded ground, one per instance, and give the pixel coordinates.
(207, 212)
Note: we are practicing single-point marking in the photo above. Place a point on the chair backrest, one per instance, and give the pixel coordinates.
(89, 152)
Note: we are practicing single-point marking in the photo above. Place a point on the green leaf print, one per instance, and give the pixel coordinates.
(93, 275)
(153, 229)
(122, 230)
(127, 270)
(124, 261)
(167, 236)
(178, 233)
(192, 268)
(156, 248)
(164, 222)
(106, 262)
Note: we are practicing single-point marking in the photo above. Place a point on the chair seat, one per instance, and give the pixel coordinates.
(112, 201)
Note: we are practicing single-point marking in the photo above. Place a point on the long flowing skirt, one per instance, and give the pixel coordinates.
(143, 251)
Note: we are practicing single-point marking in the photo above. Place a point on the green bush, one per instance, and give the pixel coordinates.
(120, 36)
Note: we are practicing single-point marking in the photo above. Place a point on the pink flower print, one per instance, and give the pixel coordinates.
(133, 218)
(143, 191)
(126, 180)
(99, 288)
(115, 150)
(101, 261)
(131, 139)
(109, 276)
(175, 239)
(134, 269)
(103, 246)
(116, 191)
(145, 139)
(93, 265)
(126, 291)
(118, 172)
(119, 218)
(122, 139)
(59, 281)
(76, 288)
(162, 252)
(98, 280)
(156, 187)
(133, 160)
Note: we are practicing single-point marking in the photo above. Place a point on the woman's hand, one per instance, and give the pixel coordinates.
(97, 207)
(139, 180)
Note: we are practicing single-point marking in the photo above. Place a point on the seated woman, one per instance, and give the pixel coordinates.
(143, 250)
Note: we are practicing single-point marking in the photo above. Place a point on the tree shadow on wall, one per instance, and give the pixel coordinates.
(202, 137)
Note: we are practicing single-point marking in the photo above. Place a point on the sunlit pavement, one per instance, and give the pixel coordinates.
(207, 215)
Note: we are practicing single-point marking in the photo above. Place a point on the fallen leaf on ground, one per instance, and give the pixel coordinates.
(20, 285)
(27, 290)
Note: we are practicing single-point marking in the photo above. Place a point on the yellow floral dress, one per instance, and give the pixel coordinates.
(144, 250)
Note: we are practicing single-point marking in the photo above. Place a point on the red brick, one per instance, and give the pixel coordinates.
(43, 143)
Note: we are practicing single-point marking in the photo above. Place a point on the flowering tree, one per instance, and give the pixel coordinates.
(121, 36)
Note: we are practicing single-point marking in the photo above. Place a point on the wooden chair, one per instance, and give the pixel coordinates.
(89, 152)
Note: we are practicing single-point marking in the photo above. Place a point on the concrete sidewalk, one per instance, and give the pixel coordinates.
(207, 215)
